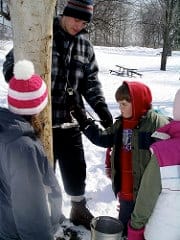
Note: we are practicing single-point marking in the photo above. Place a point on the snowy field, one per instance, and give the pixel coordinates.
(163, 85)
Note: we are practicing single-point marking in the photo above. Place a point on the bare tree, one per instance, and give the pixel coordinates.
(170, 28)
(60, 4)
(109, 22)
(151, 27)
(5, 27)
(4, 9)
(162, 28)
(177, 24)
(32, 38)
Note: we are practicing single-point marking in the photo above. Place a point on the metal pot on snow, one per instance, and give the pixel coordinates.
(106, 228)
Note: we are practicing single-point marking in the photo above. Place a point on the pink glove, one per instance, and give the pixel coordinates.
(135, 234)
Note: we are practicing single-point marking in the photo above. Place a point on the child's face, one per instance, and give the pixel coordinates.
(126, 108)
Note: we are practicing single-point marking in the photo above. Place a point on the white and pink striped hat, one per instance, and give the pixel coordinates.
(27, 93)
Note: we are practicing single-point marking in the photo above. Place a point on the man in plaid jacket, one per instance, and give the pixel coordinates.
(74, 68)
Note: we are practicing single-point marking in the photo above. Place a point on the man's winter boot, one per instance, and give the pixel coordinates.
(80, 215)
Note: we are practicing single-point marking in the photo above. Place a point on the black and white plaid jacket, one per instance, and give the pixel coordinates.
(73, 66)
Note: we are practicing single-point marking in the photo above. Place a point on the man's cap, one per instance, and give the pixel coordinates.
(82, 10)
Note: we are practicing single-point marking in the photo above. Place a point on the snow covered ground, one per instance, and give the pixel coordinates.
(163, 85)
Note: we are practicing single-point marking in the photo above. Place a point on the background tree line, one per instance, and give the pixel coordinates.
(124, 22)
(120, 23)
(134, 22)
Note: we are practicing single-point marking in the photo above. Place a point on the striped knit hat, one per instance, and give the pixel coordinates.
(27, 93)
(79, 9)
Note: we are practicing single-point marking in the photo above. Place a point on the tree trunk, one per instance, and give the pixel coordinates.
(32, 37)
(165, 49)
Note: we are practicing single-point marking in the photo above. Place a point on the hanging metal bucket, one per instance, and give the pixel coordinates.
(106, 228)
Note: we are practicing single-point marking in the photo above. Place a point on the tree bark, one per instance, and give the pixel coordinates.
(32, 22)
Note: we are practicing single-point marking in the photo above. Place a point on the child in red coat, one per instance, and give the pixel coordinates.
(130, 138)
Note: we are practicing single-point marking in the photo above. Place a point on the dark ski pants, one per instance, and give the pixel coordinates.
(68, 150)
(126, 208)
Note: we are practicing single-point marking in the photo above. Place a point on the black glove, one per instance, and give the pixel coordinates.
(80, 115)
(104, 114)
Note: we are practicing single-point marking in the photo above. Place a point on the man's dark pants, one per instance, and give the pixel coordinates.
(68, 150)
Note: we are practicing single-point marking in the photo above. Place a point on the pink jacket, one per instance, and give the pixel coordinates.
(168, 151)
(166, 214)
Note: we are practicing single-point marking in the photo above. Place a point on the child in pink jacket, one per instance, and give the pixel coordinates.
(157, 208)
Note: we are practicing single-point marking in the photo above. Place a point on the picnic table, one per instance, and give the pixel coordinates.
(124, 71)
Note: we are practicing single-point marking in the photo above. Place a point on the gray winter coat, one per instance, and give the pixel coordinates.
(30, 197)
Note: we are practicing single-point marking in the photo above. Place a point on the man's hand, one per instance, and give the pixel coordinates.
(80, 114)
(104, 115)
